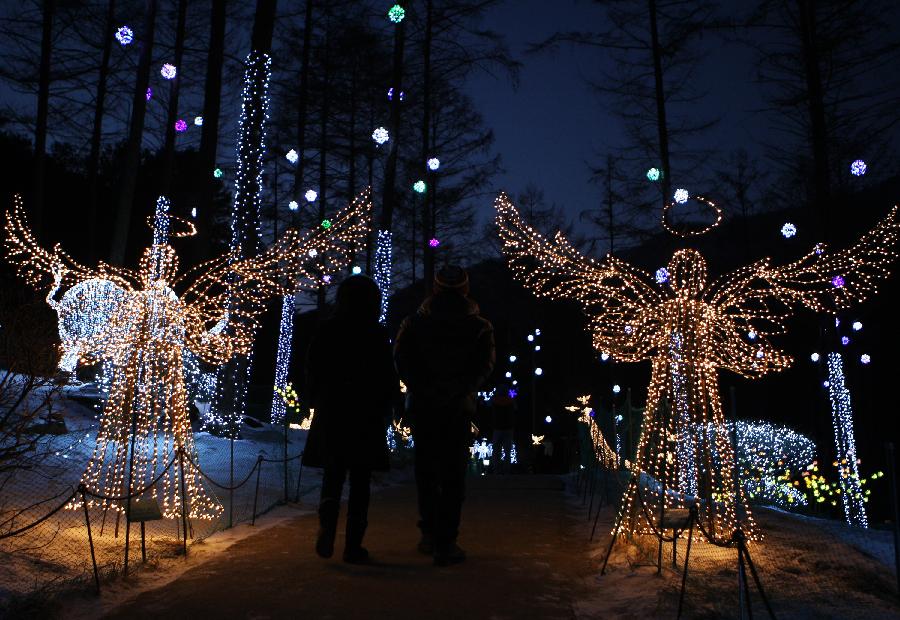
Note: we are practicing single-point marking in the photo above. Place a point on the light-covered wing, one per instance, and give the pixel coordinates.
(43, 268)
(614, 295)
(821, 281)
(236, 290)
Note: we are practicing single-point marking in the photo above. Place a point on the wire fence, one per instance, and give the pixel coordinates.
(55, 536)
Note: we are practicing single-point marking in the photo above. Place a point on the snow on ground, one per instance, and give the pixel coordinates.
(809, 568)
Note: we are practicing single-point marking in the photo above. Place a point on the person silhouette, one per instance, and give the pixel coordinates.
(351, 384)
(444, 352)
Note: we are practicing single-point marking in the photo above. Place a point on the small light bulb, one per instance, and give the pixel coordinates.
(539, 371)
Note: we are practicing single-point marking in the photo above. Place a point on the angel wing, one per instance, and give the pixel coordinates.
(614, 295)
(763, 294)
(42, 268)
(237, 289)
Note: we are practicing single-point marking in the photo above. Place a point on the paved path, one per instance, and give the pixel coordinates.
(523, 562)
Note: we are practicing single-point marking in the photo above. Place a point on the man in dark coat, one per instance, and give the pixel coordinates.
(351, 384)
(444, 352)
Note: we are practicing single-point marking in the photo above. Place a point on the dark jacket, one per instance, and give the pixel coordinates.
(351, 384)
(444, 352)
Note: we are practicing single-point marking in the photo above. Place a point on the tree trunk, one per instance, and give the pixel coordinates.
(427, 220)
(209, 136)
(662, 127)
(97, 132)
(304, 99)
(610, 204)
(821, 189)
(43, 106)
(172, 113)
(389, 194)
(131, 158)
(323, 149)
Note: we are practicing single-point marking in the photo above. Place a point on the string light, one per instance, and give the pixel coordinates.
(149, 94)
(383, 265)
(380, 135)
(653, 174)
(605, 455)
(845, 443)
(283, 358)
(788, 230)
(180, 125)
(292, 156)
(198, 121)
(168, 71)
(124, 35)
(634, 320)
(434, 163)
(396, 14)
(390, 94)
(858, 168)
(681, 196)
(691, 233)
(194, 212)
(771, 459)
(311, 195)
(419, 187)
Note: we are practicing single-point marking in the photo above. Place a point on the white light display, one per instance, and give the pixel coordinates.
(419, 187)
(283, 357)
(653, 174)
(604, 356)
(293, 205)
(681, 196)
(380, 135)
(292, 156)
(858, 168)
(383, 266)
(814, 356)
(512, 358)
(356, 270)
(616, 388)
(311, 195)
(194, 212)
(168, 71)
(548, 419)
(434, 163)
(865, 358)
(198, 121)
(788, 230)
(539, 371)
(845, 443)
(662, 275)
(857, 325)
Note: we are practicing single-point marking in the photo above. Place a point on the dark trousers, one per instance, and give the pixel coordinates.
(441, 463)
(357, 506)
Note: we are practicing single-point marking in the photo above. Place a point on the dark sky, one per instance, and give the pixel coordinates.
(553, 125)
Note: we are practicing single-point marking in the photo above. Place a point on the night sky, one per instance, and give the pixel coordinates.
(553, 125)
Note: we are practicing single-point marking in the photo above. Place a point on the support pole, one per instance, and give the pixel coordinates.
(87, 521)
(259, 462)
(892, 469)
(184, 523)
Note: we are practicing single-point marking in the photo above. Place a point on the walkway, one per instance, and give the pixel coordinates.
(525, 561)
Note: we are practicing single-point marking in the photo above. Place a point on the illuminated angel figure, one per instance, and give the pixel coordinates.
(689, 328)
(145, 423)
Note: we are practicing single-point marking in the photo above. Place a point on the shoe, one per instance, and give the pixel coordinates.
(325, 543)
(447, 556)
(356, 555)
(426, 545)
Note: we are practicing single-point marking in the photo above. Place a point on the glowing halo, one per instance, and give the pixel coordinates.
(692, 233)
(190, 229)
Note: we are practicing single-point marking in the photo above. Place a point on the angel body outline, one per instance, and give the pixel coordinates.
(689, 329)
(147, 329)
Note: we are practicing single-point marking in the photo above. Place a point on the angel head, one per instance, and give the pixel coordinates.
(687, 273)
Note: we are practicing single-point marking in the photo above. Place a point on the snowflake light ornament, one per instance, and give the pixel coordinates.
(311, 195)
(180, 125)
(380, 135)
(124, 35)
(653, 174)
(217, 173)
(419, 187)
(788, 230)
(293, 205)
(858, 168)
(396, 13)
(434, 163)
(662, 275)
(434, 242)
(292, 156)
(681, 196)
(168, 71)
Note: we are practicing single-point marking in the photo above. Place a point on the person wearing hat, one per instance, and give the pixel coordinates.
(351, 383)
(444, 353)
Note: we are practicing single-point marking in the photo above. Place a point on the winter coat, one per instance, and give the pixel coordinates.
(444, 352)
(351, 384)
